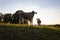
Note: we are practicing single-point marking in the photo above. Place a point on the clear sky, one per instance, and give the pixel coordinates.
(47, 10)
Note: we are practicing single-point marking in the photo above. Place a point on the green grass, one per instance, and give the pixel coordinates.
(26, 32)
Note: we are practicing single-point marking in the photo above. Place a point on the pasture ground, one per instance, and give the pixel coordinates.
(26, 32)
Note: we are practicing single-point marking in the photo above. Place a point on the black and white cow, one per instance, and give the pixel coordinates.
(25, 17)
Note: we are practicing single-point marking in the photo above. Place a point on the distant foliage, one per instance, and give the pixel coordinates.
(57, 25)
(38, 21)
(1, 17)
(7, 18)
(15, 18)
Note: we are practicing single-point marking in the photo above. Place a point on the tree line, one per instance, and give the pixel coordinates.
(9, 18)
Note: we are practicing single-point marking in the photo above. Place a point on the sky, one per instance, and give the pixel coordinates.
(48, 11)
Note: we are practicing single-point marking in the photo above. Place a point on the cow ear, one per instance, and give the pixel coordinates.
(33, 12)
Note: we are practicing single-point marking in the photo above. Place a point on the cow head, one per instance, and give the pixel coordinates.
(34, 12)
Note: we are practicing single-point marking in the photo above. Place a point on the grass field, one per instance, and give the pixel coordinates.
(26, 32)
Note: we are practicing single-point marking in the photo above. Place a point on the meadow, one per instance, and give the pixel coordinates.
(29, 32)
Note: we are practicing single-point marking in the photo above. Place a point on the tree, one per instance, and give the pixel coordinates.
(7, 18)
(1, 17)
(38, 21)
(17, 16)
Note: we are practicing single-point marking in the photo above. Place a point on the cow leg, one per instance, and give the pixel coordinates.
(22, 20)
(30, 22)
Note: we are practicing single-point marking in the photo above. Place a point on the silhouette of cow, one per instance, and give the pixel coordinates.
(24, 17)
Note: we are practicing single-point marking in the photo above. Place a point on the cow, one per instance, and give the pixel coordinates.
(24, 17)
(28, 16)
